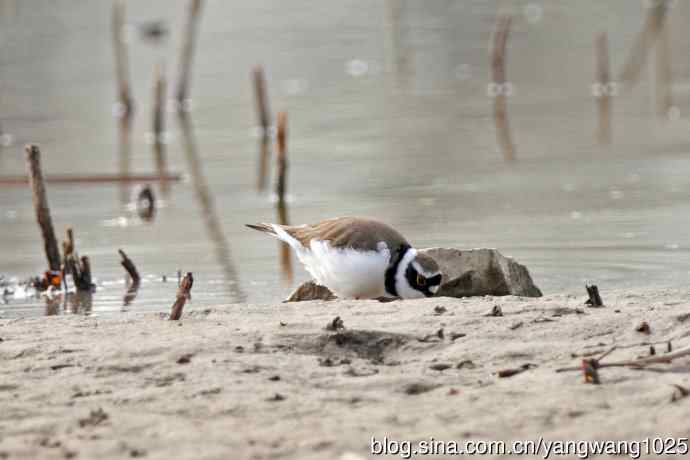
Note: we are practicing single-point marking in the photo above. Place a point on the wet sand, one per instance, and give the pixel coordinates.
(269, 381)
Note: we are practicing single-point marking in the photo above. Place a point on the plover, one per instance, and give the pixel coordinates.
(360, 258)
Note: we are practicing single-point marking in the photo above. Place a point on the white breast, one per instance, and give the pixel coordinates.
(347, 272)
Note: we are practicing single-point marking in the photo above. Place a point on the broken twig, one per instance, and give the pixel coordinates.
(183, 293)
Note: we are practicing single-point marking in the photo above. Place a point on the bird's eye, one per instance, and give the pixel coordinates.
(421, 280)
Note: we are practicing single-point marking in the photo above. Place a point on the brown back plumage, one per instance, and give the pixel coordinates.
(354, 232)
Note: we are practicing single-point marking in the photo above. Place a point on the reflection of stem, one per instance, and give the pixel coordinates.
(187, 51)
(664, 99)
(646, 38)
(121, 59)
(281, 184)
(124, 148)
(208, 211)
(159, 126)
(498, 56)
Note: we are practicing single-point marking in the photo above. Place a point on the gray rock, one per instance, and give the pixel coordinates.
(477, 272)
(466, 273)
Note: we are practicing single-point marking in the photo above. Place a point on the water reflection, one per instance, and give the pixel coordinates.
(207, 209)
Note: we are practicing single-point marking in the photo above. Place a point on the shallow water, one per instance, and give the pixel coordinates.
(388, 117)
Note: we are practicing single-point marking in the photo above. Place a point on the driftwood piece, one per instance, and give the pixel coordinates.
(121, 60)
(183, 293)
(594, 297)
(500, 86)
(603, 85)
(265, 124)
(281, 186)
(40, 201)
(158, 121)
(188, 44)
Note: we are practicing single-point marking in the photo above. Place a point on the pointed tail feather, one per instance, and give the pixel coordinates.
(262, 227)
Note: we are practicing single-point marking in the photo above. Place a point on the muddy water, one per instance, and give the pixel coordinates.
(388, 117)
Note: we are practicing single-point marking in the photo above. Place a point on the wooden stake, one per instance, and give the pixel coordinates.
(643, 43)
(265, 124)
(121, 59)
(159, 126)
(187, 53)
(40, 201)
(498, 69)
(281, 186)
(183, 291)
(603, 82)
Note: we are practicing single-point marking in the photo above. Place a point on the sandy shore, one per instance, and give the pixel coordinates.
(245, 381)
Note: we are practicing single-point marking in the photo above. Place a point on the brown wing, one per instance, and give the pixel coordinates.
(354, 232)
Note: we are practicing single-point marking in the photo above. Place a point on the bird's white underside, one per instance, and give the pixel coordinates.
(347, 272)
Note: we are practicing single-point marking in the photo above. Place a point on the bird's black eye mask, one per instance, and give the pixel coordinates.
(420, 282)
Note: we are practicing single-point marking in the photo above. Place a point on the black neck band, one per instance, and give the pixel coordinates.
(392, 269)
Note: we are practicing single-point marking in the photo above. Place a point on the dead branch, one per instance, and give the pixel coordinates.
(636, 363)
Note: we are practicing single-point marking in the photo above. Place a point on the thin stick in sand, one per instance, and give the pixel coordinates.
(40, 201)
(183, 293)
(121, 60)
(501, 87)
(158, 120)
(264, 122)
(193, 15)
(603, 84)
(281, 186)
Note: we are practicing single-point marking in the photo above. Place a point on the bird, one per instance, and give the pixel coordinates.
(359, 258)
